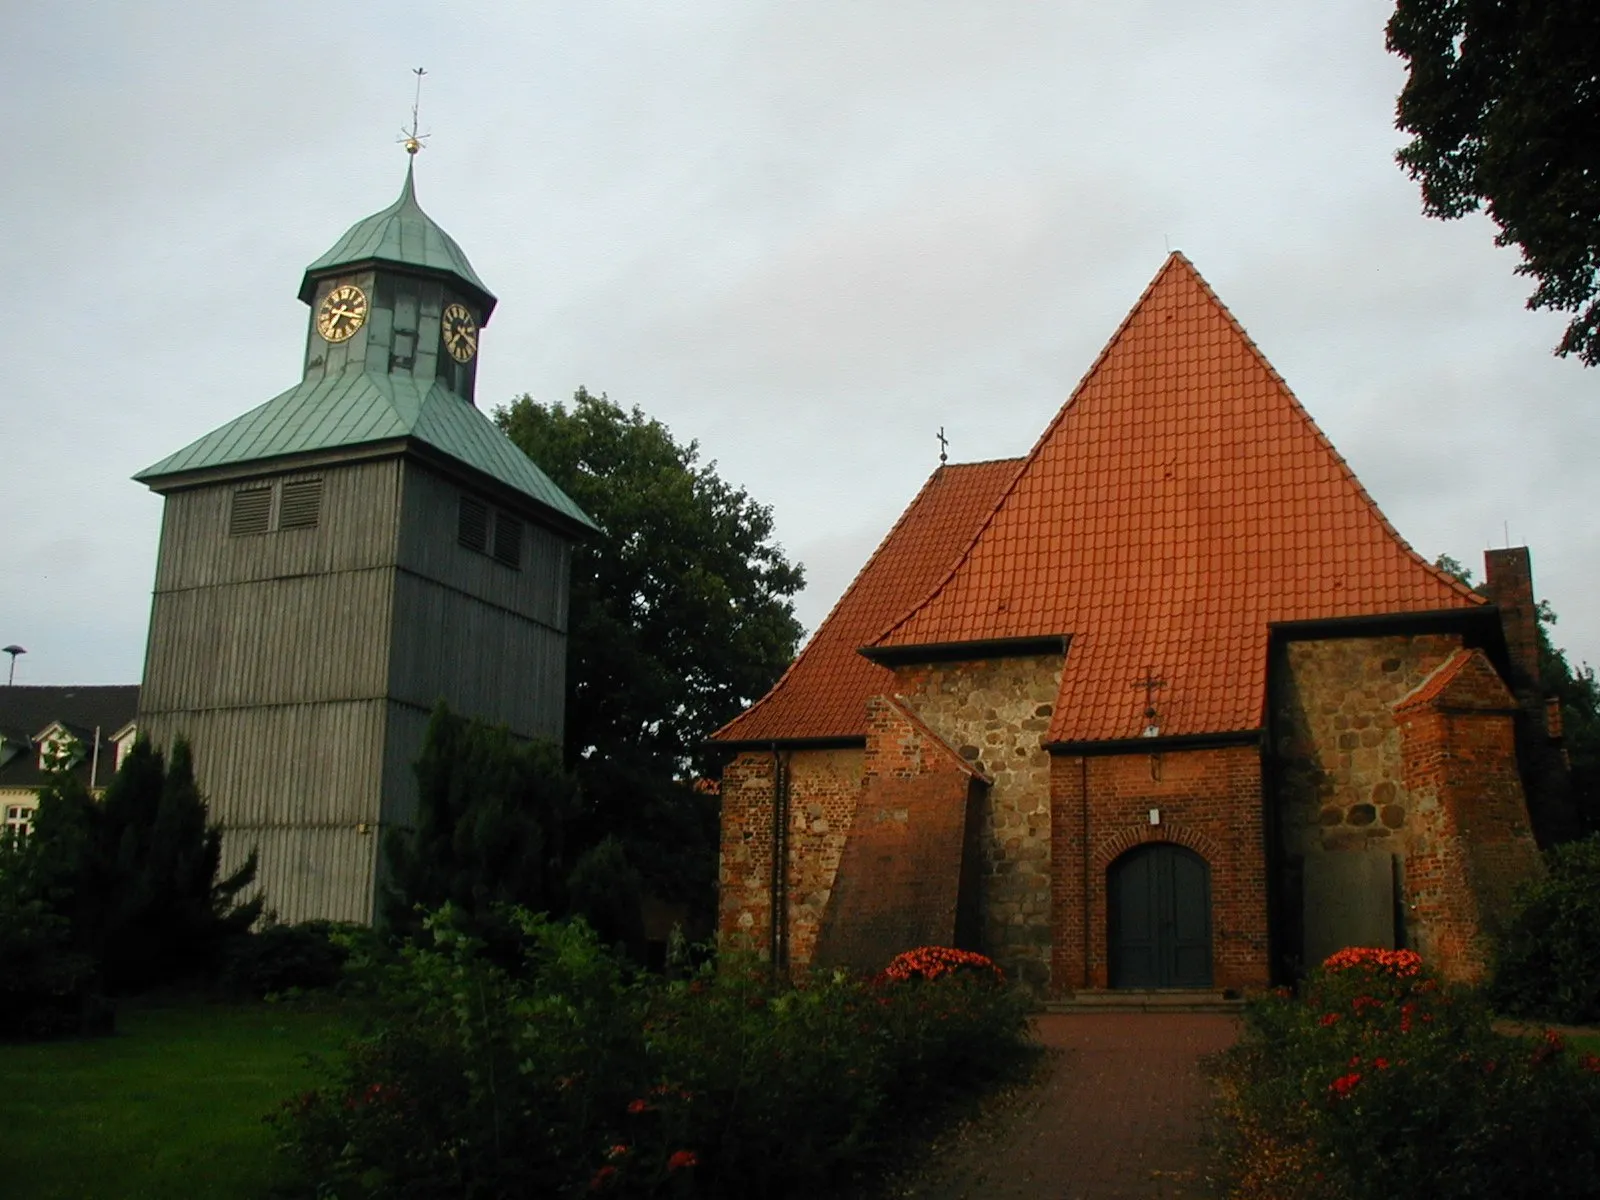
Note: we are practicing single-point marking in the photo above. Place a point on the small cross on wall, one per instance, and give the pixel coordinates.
(1151, 683)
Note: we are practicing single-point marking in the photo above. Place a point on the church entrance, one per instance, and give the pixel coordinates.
(1159, 899)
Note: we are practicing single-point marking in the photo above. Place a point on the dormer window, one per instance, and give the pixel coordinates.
(60, 749)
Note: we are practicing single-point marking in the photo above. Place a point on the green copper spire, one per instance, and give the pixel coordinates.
(405, 236)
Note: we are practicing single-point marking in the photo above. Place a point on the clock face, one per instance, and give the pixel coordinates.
(460, 332)
(342, 312)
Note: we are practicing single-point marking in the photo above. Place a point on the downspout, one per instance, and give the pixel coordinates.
(1083, 795)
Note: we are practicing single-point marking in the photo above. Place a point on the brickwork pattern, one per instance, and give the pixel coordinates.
(821, 801)
(1471, 841)
(1209, 800)
(898, 885)
(995, 714)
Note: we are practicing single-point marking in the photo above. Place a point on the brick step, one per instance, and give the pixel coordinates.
(1118, 1000)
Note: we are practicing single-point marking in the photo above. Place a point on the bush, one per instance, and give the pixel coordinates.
(281, 958)
(1380, 1081)
(1547, 963)
(566, 1073)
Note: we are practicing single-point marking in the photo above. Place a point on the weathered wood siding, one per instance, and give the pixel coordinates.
(303, 664)
(269, 652)
(485, 638)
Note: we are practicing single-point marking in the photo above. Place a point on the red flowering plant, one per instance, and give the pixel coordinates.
(1382, 1081)
(935, 962)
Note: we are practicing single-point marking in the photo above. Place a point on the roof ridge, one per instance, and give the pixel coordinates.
(1176, 259)
(1344, 467)
(838, 604)
(1039, 443)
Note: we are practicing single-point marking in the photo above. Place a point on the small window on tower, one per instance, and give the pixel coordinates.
(252, 511)
(302, 504)
(508, 540)
(472, 525)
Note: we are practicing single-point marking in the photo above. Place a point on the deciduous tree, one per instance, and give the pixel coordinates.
(1503, 102)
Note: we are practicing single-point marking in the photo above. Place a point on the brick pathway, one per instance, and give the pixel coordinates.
(1118, 1116)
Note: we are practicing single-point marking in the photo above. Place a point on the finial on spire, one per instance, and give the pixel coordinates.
(411, 139)
(944, 445)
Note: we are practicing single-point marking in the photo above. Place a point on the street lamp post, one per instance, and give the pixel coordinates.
(13, 650)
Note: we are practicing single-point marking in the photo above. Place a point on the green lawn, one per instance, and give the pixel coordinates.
(171, 1106)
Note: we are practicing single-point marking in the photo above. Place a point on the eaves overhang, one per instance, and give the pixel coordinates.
(1017, 647)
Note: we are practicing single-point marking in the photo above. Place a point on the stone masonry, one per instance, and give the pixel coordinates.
(995, 713)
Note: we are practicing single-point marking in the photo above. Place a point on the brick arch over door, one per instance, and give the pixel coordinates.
(1119, 843)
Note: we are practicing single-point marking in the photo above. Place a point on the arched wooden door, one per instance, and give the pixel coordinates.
(1159, 899)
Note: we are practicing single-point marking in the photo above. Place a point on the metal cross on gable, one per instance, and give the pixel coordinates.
(1151, 683)
(944, 445)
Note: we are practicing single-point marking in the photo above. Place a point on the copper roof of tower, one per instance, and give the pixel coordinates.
(402, 235)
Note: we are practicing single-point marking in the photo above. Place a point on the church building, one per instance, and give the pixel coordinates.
(1166, 703)
(338, 560)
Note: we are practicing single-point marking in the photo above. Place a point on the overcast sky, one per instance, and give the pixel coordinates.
(804, 234)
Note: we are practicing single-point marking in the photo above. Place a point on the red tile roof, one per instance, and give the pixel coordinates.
(1179, 503)
(824, 692)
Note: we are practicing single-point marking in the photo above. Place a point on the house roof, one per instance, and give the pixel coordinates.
(354, 408)
(824, 692)
(1180, 502)
(25, 712)
(404, 235)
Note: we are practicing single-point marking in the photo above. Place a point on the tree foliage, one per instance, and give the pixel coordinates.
(1503, 102)
(682, 608)
(682, 614)
(489, 828)
(124, 888)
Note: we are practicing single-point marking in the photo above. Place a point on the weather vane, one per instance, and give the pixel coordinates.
(411, 139)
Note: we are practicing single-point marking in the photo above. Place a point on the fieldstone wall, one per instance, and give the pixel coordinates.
(1343, 806)
(995, 713)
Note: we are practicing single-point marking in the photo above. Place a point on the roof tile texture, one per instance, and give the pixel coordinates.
(824, 693)
(1179, 503)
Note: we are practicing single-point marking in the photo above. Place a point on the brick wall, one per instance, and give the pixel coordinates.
(900, 877)
(1471, 843)
(822, 789)
(1546, 774)
(995, 713)
(1209, 801)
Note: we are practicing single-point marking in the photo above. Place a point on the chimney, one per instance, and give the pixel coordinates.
(1509, 584)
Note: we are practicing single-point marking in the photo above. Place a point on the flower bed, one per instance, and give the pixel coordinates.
(1381, 1082)
(545, 1067)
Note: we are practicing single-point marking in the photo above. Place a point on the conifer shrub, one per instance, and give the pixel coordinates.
(1547, 962)
(568, 1073)
(1381, 1081)
(278, 959)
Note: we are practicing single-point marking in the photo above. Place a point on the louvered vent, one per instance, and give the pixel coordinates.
(252, 511)
(508, 540)
(302, 504)
(472, 525)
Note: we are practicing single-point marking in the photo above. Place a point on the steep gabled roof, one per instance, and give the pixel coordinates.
(824, 692)
(1180, 502)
